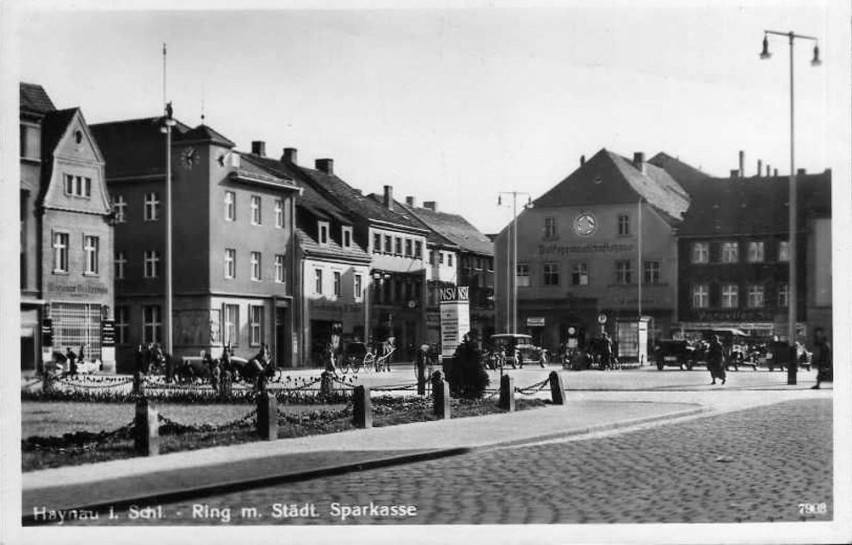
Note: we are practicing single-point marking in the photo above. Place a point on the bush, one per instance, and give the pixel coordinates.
(466, 374)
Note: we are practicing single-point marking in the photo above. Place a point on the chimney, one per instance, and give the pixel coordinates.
(735, 173)
(742, 163)
(389, 197)
(759, 168)
(289, 156)
(410, 202)
(775, 172)
(258, 147)
(325, 165)
(639, 161)
(582, 160)
(431, 205)
(801, 172)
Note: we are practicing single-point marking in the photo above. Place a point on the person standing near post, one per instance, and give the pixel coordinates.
(72, 362)
(715, 360)
(822, 358)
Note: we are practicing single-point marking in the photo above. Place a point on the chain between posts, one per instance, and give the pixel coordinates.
(206, 427)
(38, 443)
(533, 388)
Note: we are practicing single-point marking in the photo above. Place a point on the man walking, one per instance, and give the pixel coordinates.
(822, 358)
(715, 360)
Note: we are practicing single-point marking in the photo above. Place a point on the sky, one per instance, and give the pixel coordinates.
(455, 105)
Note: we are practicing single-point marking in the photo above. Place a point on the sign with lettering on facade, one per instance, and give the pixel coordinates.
(77, 290)
(107, 333)
(455, 318)
(601, 248)
(535, 321)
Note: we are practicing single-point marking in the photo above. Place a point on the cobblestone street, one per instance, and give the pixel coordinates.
(747, 466)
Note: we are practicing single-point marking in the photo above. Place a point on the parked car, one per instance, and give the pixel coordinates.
(674, 353)
(529, 353)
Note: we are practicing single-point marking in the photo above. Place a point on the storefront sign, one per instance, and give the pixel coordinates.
(603, 248)
(455, 318)
(77, 290)
(108, 333)
(734, 315)
(535, 321)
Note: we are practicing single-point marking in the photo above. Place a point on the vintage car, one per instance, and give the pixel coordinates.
(506, 343)
(674, 353)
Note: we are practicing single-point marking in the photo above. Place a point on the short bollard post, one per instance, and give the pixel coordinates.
(147, 429)
(421, 380)
(47, 381)
(225, 383)
(441, 396)
(507, 393)
(362, 415)
(557, 390)
(325, 384)
(267, 416)
(138, 384)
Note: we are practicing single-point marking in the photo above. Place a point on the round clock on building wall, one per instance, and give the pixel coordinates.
(585, 224)
(189, 157)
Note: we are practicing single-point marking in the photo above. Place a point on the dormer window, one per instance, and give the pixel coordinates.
(323, 233)
(346, 237)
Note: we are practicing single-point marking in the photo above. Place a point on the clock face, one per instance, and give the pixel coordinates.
(189, 157)
(585, 224)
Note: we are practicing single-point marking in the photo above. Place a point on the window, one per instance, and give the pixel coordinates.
(377, 243)
(784, 250)
(152, 207)
(522, 278)
(755, 296)
(255, 266)
(432, 257)
(69, 184)
(255, 325)
(397, 246)
(580, 274)
(323, 233)
(784, 295)
(231, 324)
(652, 272)
(120, 207)
(408, 247)
(551, 274)
(623, 224)
(152, 324)
(755, 252)
(152, 264)
(279, 268)
(230, 206)
(30, 142)
(60, 252)
(388, 244)
(730, 296)
(623, 272)
(700, 296)
(336, 277)
(88, 183)
(490, 264)
(358, 286)
(450, 260)
(255, 210)
(701, 252)
(441, 258)
(418, 249)
(121, 325)
(730, 252)
(347, 237)
(318, 281)
(90, 250)
(549, 227)
(279, 213)
(120, 262)
(230, 263)
(78, 186)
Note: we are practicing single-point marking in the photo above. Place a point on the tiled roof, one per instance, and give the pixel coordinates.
(332, 250)
(53, 127)
(609, 178)
(134, 147)
(34, 99)
(204, 133)
(455, 228)
(731, 206)
(249, 169)
(432, 236)
(686, 175)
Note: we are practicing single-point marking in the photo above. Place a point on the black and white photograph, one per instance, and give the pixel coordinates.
(426, 272)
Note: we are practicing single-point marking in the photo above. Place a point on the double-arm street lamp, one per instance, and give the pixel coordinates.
(512, 259)
(792, 301)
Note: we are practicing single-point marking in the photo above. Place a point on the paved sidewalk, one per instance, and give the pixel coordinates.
(199, 472)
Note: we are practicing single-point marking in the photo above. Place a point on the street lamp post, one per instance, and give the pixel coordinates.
(512, 259)
(792, 302)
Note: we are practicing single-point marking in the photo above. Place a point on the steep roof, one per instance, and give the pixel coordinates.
(432, 236)
(685, 174)
(53, 127)
(733, 206)
(250, 169)
(454, 228)
(134, 147)
(34, 99)
(331, 250)
(203, 133)
(604, 178)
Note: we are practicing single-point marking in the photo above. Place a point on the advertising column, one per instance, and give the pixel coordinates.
(455, 318)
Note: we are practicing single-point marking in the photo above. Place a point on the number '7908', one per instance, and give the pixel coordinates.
(813, 508)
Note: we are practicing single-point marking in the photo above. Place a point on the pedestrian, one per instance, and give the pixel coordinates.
(715, 360)
(822, 358)
(606, 351)
(72, 362)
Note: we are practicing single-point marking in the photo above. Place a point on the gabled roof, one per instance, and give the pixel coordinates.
(454, 228)
(736, 206)
(250, 171)
(134, 147)
(603, 178)
(432, 236)
(685, 174)
(332, 250)
(203, 133)
(34, 99)
(53, 127)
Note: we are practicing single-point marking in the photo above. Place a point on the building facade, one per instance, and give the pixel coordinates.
(233, 244)
(66, 236)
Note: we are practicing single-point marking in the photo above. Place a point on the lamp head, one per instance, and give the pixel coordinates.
(815, 61)
(765, 54)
